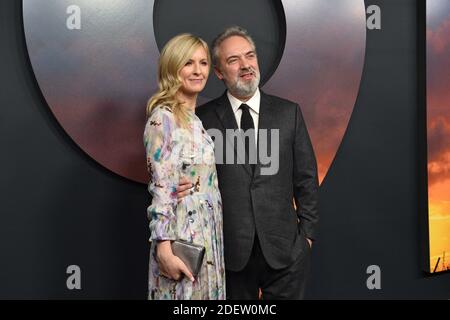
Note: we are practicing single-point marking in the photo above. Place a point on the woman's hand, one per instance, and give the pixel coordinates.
(184, 188)
(170, 265)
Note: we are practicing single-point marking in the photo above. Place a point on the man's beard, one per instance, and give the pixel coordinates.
(245, 89)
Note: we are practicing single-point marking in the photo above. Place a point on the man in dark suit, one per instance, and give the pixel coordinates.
(267, 239)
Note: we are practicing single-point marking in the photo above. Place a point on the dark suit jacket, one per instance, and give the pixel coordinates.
(264, 203)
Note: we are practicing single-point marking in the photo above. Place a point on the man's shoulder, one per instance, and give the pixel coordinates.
(207, 107)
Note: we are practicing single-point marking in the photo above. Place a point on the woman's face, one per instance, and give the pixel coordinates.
(195, 73)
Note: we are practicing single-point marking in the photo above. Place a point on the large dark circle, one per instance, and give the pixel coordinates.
(264, 19)
(98, 78)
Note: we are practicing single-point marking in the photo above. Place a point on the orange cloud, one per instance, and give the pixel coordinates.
(438, 150)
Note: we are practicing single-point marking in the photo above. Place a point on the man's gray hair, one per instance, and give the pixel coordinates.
(227, 33)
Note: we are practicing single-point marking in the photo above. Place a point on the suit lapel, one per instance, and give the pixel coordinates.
(225, 113)
(226, 116)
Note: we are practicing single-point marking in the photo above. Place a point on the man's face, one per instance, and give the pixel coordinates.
(237, 66)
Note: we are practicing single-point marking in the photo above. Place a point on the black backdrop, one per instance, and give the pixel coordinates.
(59, 207)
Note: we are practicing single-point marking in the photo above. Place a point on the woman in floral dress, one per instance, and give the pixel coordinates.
(178, 146)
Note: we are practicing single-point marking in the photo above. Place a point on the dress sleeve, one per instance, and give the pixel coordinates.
(164, 175)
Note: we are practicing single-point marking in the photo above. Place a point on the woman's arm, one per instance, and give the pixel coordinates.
(162, 164)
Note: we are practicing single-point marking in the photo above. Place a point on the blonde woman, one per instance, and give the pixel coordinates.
(177, 146)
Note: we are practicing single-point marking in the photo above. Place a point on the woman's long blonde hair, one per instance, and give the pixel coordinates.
(175, 54)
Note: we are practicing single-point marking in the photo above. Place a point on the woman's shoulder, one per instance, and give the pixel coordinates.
(160, 111)
(161, 114)
(161, 123)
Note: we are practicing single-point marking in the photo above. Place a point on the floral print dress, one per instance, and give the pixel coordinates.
(173, 152)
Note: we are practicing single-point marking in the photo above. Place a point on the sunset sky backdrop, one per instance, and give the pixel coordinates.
(438, 129)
